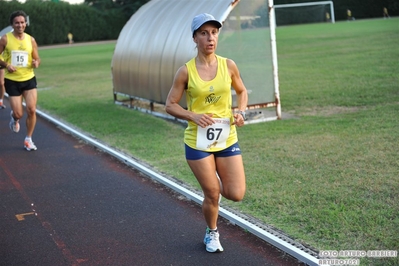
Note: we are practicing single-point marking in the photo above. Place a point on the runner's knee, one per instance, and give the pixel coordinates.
(234, 196)
(31, 110)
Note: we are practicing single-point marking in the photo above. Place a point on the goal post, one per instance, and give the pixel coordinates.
(273, 47)
(330, 16)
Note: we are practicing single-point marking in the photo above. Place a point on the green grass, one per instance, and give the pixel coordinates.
(328, 178)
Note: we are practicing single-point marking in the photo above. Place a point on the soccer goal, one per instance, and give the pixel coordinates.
(300, 13)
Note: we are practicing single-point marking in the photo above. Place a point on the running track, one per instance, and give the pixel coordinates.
(70, 204)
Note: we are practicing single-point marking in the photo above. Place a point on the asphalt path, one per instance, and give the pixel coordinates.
(68, 203)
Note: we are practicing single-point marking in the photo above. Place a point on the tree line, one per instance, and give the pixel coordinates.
(51, 21)
(93, 20)
(360, 9)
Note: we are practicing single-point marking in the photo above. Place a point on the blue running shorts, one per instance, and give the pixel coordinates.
(193, 154)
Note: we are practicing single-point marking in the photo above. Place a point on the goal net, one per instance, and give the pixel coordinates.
(248, 39)
(301, 13)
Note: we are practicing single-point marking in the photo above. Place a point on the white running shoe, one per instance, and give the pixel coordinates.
(29, 145)
(2, 106)
(211, 241)
(14, 124)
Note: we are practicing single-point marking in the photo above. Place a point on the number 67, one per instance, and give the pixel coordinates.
(210, 133)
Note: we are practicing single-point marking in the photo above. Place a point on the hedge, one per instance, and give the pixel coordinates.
(50, 22)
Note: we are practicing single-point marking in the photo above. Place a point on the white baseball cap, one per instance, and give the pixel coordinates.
(201, 19)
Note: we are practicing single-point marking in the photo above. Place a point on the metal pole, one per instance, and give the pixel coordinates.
(332, 12)
(272, 25)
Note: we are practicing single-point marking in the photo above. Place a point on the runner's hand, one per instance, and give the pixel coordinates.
(204, 120)
(238, 120)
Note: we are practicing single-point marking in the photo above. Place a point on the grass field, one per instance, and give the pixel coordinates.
(329, 178)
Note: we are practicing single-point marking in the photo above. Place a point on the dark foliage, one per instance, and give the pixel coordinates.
(361, 9)
(50, 22)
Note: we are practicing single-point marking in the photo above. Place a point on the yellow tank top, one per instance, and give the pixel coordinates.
(214, 97)
(18, 53)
